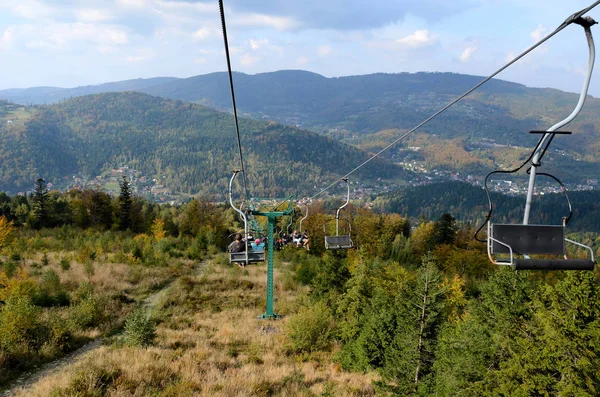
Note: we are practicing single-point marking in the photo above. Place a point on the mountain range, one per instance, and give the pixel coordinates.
(488, 130)
(187, 147)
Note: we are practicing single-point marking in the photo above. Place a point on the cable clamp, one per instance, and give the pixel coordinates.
(586, 22)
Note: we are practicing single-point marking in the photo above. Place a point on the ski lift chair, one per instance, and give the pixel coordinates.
(248, 256)
(519, 241)
(339, 241)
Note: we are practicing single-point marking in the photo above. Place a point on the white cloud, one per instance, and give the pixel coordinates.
(467, 53)
(93, 15)
(257, 44)
(71, 36)
(324, 50)
(303, 61)
(132, 3)
(187, 6)
(6, 39)
(30, 9)
(201, 61)
(538, 33)
(205, 33)
(142, 54)
(248, 60)
(264, 21)
(113, 36)
(418, 39)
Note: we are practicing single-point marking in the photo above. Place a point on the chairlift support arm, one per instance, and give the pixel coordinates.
(239, 211)
(305, 216)
(337, 214)
(586, 23)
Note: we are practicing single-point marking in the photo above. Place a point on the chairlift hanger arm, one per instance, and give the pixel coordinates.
(239, 211)
(586, 23)
(337, 214)
(305, 216)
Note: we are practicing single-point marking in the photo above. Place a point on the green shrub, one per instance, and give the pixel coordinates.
(10, 267)
(19, 324)
(197, 249)
(45, 259)
(93, 381)
(138, 253)
(50, 291)
(58, 330)
(140, 330)
(65, 264)
(311, 329)
(89, 269)
(16, 257)
(88, 310)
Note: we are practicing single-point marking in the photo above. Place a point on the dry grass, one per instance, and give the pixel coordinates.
(108, 277)
(211, 344)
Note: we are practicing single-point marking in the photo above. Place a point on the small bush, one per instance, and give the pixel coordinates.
(16, 257)
(89, 308)
(65, 264)
(50, 291)
(89, 269)
(311, 329)
(93, 381)
(140, 330)
(10, 267)
(19, 324)
(59, 333)
(45, 259)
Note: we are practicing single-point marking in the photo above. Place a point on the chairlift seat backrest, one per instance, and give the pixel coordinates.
(529, 239)
(253, 257)
(338, 242)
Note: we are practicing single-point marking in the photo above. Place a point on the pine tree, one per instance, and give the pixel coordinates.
(445, 230)
(125, 205)
(40, 203)
(409, 358)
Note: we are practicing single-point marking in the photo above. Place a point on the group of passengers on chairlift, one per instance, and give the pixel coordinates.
(295, 239)
(239, 243)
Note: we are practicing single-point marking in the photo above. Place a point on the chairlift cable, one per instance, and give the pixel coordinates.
(237, 126)
(566, 23)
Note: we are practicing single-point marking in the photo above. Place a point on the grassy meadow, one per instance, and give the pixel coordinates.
(208, 341)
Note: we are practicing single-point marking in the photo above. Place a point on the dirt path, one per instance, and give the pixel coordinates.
(30, 378)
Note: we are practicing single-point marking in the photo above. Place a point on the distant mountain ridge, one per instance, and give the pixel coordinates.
(50, 95)
(476, 135)
(188, 147)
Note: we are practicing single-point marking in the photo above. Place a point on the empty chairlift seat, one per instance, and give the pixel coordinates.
(535, 240)
(338, 242)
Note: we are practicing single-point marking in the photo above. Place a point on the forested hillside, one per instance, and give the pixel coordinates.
(190, 148)
(469, 204)
(370, 111)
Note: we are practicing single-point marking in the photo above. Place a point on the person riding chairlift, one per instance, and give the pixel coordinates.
(296, 239)
(238, 245)
(258, 245)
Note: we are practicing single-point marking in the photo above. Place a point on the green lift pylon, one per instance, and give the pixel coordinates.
(271, 217)
(272, 213)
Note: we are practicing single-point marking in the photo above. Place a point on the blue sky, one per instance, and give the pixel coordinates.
(72, 42)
